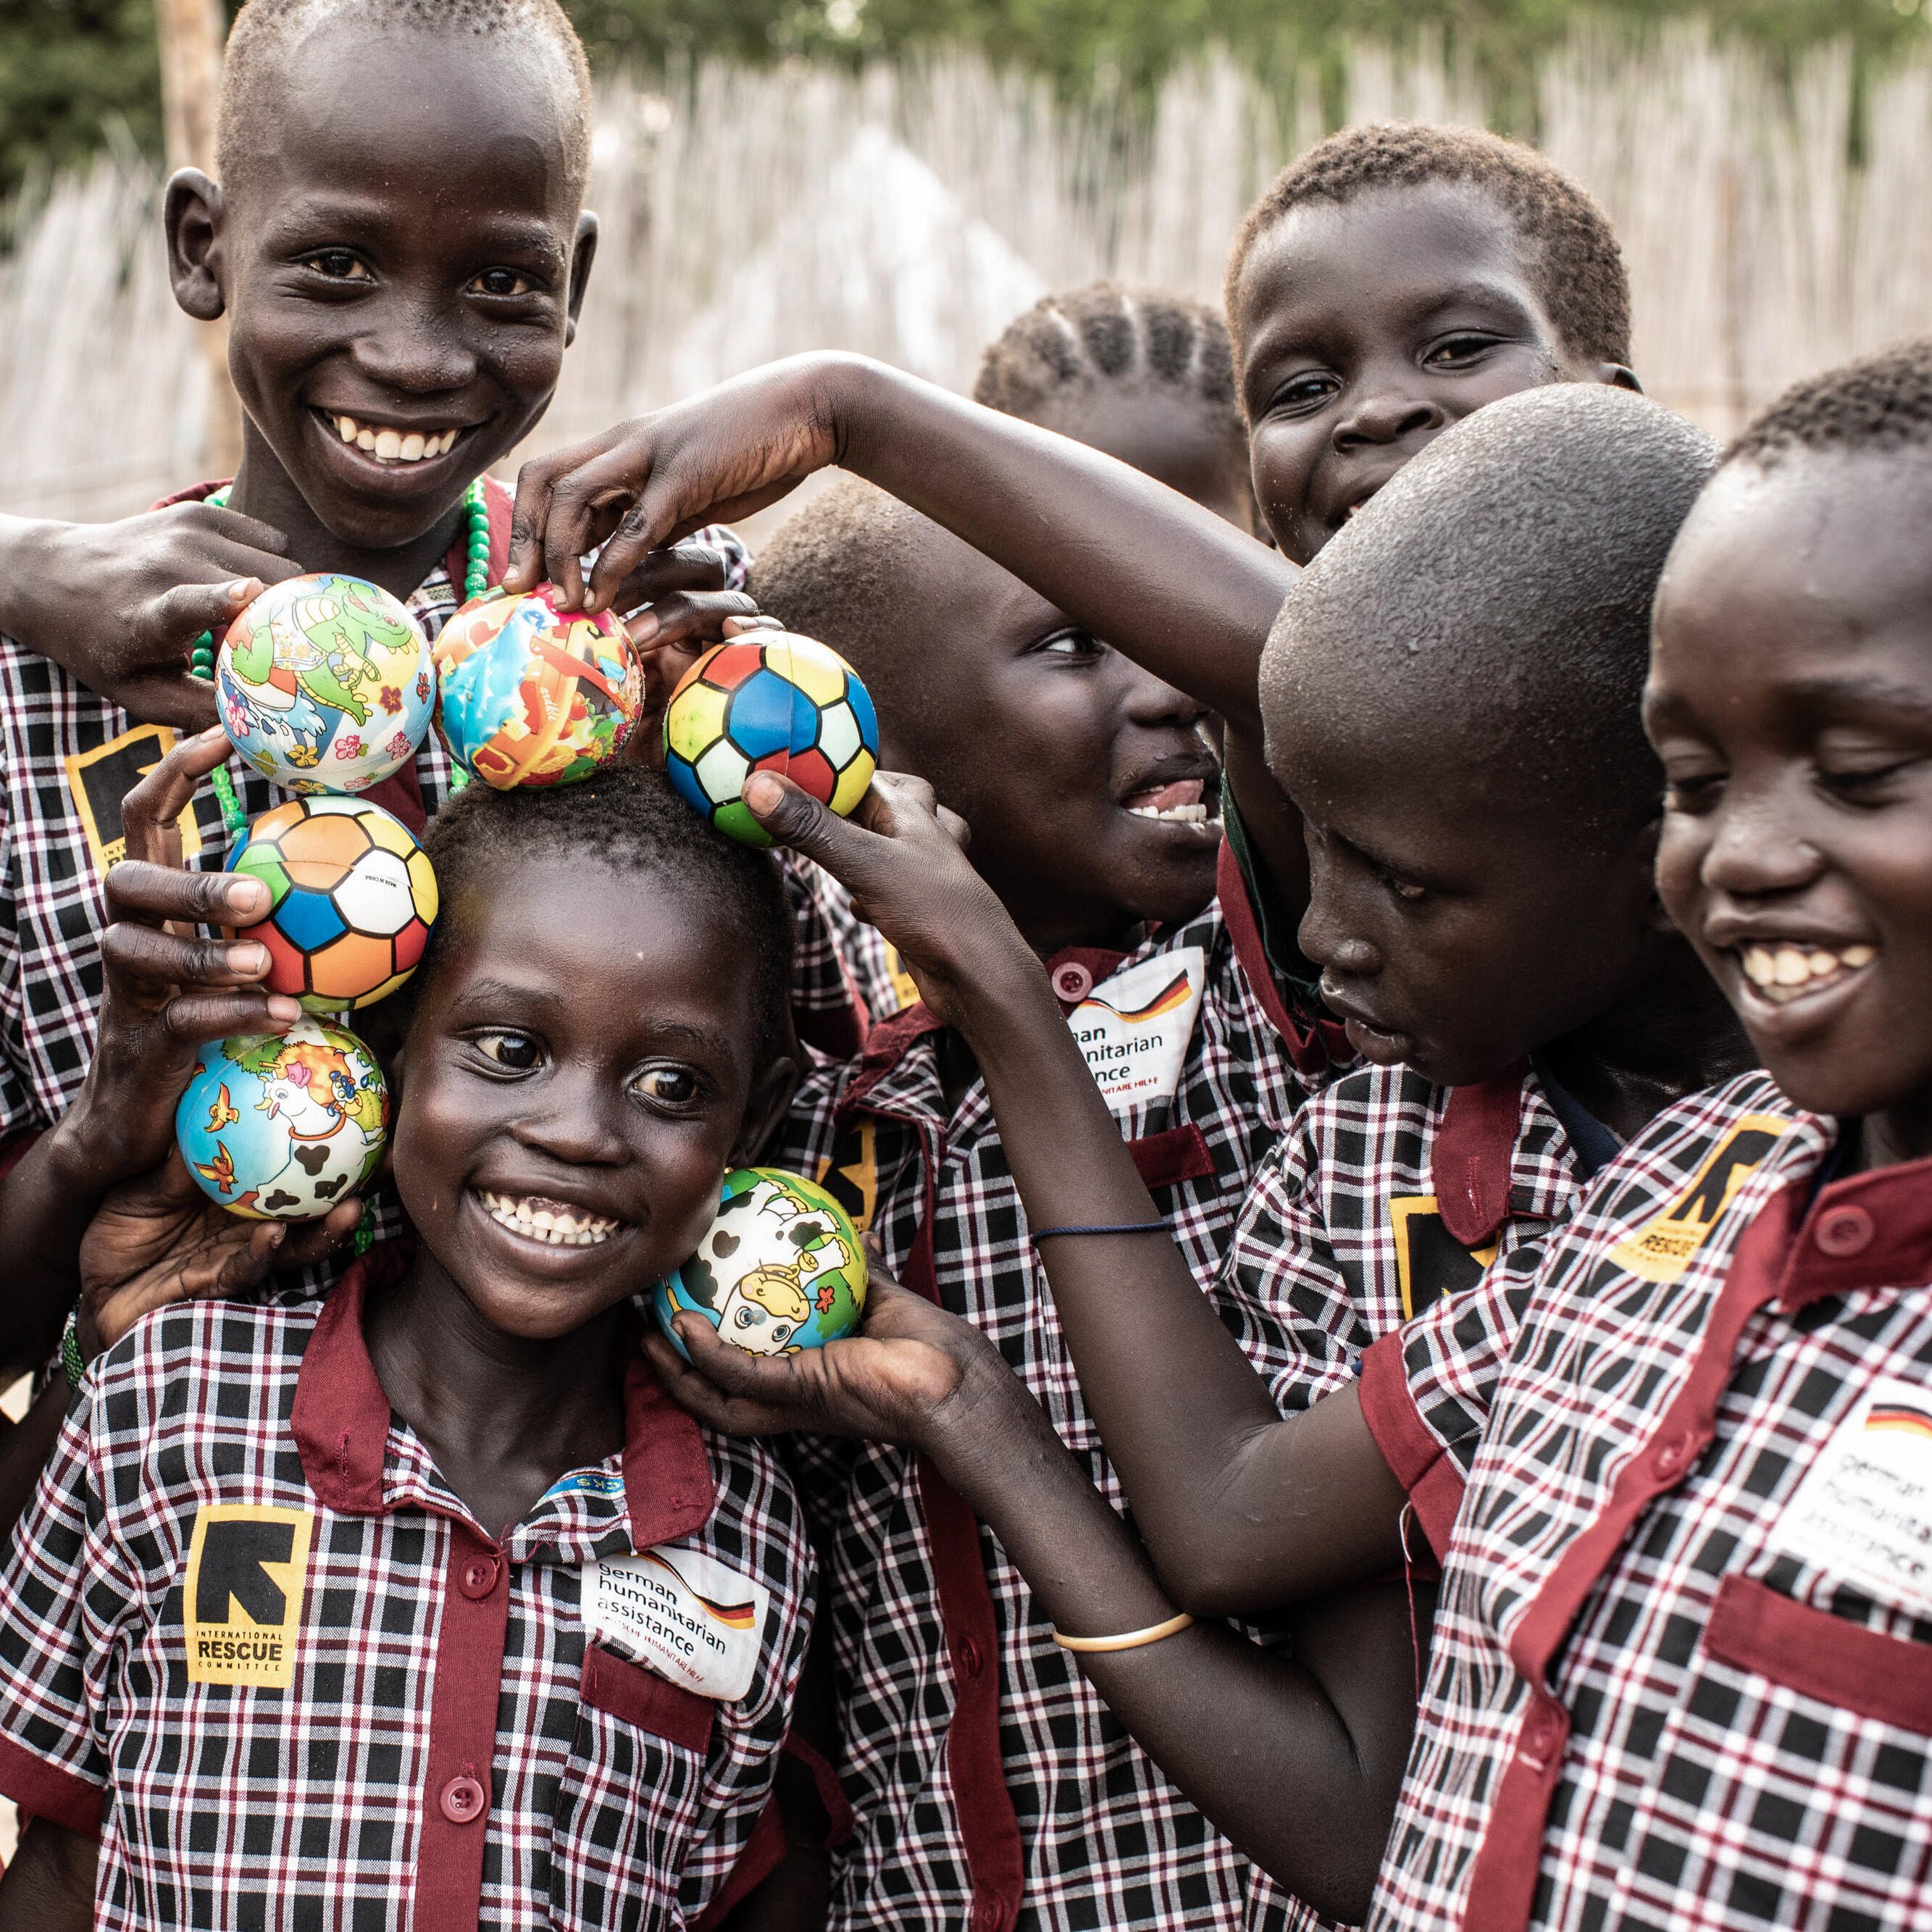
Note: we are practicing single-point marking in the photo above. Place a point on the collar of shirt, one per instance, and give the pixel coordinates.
(344, 1429)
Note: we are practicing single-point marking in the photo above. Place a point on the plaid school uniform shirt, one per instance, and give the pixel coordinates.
(990, 1786)
(1682, 1666)
(254, 1641)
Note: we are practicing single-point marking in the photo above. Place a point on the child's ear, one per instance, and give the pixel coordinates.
(581, 256)
(193, 215)
(771, 1095)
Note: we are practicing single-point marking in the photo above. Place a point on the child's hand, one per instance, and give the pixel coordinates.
(159, 1239)
(167, 991)
(119, 605)
(722, 455)
(894, 1381)
(901, 856)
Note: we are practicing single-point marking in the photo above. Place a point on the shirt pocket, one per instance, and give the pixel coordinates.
(1794, 1776)
(628, 1804)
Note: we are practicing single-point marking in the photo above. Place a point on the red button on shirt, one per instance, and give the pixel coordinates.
(1843, 1232)
(463, 1801)
(1672, 1457)
(969, 1659)
(479, 1576)
(1071, 980)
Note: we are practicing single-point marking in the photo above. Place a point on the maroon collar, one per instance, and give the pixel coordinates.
(1314, 1043)
(1872, 1230)
(341, 1421)
(1474, 1150)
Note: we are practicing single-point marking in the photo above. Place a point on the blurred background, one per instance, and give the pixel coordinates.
(902, 176)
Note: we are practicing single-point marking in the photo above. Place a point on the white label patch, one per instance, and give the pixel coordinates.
(684, 1614)
(1134, 1028)
(1863, 1511)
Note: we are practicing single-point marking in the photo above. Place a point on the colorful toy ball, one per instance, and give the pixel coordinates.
(532, 695)
(352, 897)
(780, 1269)
(770, 702)
(324, 684)
(281, 1126)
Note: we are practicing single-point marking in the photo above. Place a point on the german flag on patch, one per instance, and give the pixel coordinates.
(1900, 1418)
(1171, 997)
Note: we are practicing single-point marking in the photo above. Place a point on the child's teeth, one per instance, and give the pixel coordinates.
(1781, 972)
(412, 448)
(346, 425)
(556, 1227)
(1183, 814)
(365, 438)
(394, 446)
(388, 445)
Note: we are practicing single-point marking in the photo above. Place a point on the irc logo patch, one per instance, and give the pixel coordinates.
(1662, 1248)
(246, 1568)
(99, 780)
(1430, 1264)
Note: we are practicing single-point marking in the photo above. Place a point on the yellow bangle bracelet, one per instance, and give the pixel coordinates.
(1127, 1640)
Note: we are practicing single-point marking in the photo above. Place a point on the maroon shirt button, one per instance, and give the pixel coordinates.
(969, 1659)
(463, 1801)
(1672, 1457)
(478, 1577)
(1843, 1232)
(1544, 1732)
(1071, 980)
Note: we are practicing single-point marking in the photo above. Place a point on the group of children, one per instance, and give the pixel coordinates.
(1369, 1017)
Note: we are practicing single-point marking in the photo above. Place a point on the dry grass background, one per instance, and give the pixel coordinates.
(910, 212)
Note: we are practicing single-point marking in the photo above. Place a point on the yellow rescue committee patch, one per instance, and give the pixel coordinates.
(1662, 1248)
(905, 989)
(850, 1173)
(247, 1566)
(100, 779)
(1430, 1264)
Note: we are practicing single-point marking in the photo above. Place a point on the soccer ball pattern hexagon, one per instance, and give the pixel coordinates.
(770, 702)
(352, 898)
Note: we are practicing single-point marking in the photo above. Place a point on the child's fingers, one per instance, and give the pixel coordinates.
(554, 521)
(193, 1019)
(149, 812)
(177, 617)
(680, 616)
(138, 957)
(259, 542)
(692, 567)
(152, 895)
(168, 697)
(699, 1397)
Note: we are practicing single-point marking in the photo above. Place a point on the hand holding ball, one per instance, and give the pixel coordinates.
(324, 684)
(532, 695)
(770, 702)
(281, 1126)
(780, 1269)
(351, 898)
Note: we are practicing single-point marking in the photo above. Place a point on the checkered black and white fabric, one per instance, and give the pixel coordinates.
(1103, 1840)
(1667, 1688)
(452, 1750)
(1342, 1234)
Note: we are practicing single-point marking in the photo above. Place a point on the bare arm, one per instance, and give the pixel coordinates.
(48, 1887)
(1173, 585)
(1238, 1507)
(1297, 1755)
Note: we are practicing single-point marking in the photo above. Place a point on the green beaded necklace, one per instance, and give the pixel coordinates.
(201, 653)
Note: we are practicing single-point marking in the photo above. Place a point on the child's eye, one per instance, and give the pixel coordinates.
(1070, 644)
(1404, 889)
(1456, 349)
(1862, 785)
(1689, 792)
(670, 1086)
(502, 282)
(516, 1052)
(1302, 393)
(338, 264)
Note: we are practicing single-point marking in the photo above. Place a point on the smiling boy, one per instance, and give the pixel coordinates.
(422, 1604)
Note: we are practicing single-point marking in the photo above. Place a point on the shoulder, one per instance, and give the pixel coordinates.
(215, 1358)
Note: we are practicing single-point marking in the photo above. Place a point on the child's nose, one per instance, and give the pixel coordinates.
(1755, 850)
(1151, 700)
(414, 346)
(1389, 417)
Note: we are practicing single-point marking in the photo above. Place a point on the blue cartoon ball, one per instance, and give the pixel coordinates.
(325, 683)
(779, 1270)
(281, 1126)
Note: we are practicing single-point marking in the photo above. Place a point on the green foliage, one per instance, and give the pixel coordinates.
(70, 67)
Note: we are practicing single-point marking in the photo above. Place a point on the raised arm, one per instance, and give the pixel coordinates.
(1173, 585)
(1295, 1754)
(1238, 1507)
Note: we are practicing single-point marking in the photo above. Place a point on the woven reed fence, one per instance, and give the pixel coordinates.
(910, 212)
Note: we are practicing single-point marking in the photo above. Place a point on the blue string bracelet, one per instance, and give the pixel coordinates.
(1132, 1228)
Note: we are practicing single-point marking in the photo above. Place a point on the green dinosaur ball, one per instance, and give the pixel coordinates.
(326, 684)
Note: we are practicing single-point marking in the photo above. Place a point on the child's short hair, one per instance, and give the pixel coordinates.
(835, 572)
(625, 816)
(1571, 249)
(1881, 402)
(265, 30)
(1106, 333)
(1502, 582)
